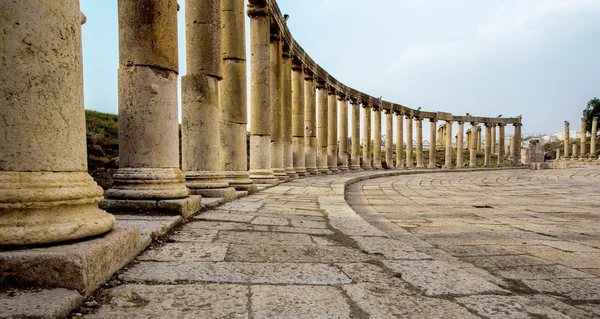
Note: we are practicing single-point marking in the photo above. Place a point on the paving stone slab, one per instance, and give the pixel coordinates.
(223, 215)
(505, 261)
(575, 289)
(441, 278)
(270, 221)
(390, 248)
(262, 238)
(236, 272)
(242, 205)
(473, 251)
(311, 231)
(186, 252)
(540, 272)
(370, 273)
(189, 234)
(45, 304)
(298, 302)
(224, 226)
(308, 224)
(296, 253)
(500, 307)
(174, 301)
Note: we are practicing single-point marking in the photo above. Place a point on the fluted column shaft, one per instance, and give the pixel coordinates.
(389, 139)
(288, 145)
(367, 138)
(448, 145)
(593, 139)
(494, 139)
(419, 138)
(277, 164)
(310, 124)
(517, 145)
(343, 154)
(322, 136)
(583, 154)
(501, 137)
(233, 97)
(355, 165)
(260, 95)
(298, 118)
(409, 141)
(432, 143)
(566, 141)
(460, 162)
(399, 140)
(473, 146)
(46, 193)
(332, 129)
(478, 146)
(377, 139)
(488, 145)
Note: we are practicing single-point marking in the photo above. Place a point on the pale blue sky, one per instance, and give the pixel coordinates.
(538, 58)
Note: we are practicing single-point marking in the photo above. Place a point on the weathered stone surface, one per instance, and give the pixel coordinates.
(181, 301)
(369, 273)
(540, 272)
(494, 306)
(390, 248)
(270, 221)
(311, 231)
(296, 253)
(298, 302)
(228, 216)
(505, 261)
(186, 252)
(50, 304)
(194, 235)
(236, 272)
(575, 289)
(262, 238)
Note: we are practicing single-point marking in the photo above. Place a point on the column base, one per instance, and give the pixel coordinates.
(334, 170)
(324, 170)
(291, 172)
(301, 171)
(280, 174)
(209, 184)
(240, 180)
(263, 176)
(356, 168)
(344, 169)
(185, 207)
(148, 183)
(50, 207)
(313, 171)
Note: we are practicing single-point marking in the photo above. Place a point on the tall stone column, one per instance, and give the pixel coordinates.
(460, 162)
(323, 122)
(377, 139)
(200, 131)
(574, 152)
(343, 153)
(488, 145)
(288, 145)
(233, 97)
(148, 111)
(448, 144)
(517, 145)
(582, 141)
(593, 139)
(494, 138)
(367, 137)
(478, 146)
(389, 139)
(566, 141)
(409, 141)
(260, 94)
(332, 141)
(298, 118)
(419, 133)
(501, 153)
(46, 194)
(399, 140)
(355, 165)
(432, 143)
(469, 142)
(276, 57)
(310, 123)
(473, 146)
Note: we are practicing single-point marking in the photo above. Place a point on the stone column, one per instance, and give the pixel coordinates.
(488, 145)
(322, 128)
(582, 141)
(288, 145)
(566, 141)
(448, 144)
(355, 165)
(310, 123)
(557, 153)
(298, 118)
(469, 142)
(389, 139)
(493, 138)
(260, 94)
(478, 146)
(46, 193)
(399, 140)
(277, 107)
(593, 139)
(460, 145)
(409, 141)
(343, 153)
(332, 141)
(367, 137)
(574, 152)
(473, 146)
(432, 143)
(233, 97)
(377, 139)
(500, 145)
(200, 131)
(419, 139)
(148, 111)
(517, 145)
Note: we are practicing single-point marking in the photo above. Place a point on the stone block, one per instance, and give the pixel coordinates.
(185, 207)
(46, 304)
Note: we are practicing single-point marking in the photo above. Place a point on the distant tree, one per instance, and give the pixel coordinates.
(592, 110)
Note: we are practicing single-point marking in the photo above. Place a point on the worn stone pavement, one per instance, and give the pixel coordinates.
(492, 244)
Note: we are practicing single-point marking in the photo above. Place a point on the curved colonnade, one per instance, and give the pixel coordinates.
(46, 195)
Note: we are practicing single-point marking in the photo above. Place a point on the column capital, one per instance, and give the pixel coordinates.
(488, 124)
(308, 74)
(474, 124)
(567, 123)
(354, 101)
(258, 8)
(500, 124)
(321, 85)
(341, 97)
(331, 90)
(433, 119)
(459, 122)
(387, 111)
(517, 124)
(366, 105)
(275, 34)
(297, 64)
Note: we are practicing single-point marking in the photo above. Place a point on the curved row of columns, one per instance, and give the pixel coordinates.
(579, 150)
(46, 195)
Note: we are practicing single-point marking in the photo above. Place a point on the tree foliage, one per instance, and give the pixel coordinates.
(591, 110)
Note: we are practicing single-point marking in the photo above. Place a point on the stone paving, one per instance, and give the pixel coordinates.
(491, 244)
